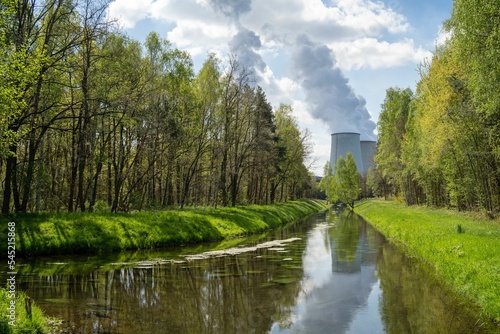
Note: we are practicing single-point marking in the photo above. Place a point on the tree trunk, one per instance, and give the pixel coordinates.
(10, 170)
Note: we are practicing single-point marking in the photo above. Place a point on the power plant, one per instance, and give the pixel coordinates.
(362, 151)
(368, 148)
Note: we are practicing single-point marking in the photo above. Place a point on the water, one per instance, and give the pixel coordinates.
(341, 276)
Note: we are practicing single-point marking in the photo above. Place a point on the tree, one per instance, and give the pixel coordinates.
(263, 151)
(327, 183)
(346, 181)
(18, 68)
(44, 34)
(392, 128)
(207, 93)
(446, 145)
(476, 26)
(292, 150)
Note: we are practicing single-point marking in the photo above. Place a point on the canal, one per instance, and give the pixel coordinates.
(332, 273)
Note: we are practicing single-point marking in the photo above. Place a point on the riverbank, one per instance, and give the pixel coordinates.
(463, 249)
(72, 233)
(16, 319)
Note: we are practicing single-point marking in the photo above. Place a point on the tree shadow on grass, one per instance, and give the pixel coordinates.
(27, 232)
(235, 220)
(47, 234)
(283, 213)
(183, 227)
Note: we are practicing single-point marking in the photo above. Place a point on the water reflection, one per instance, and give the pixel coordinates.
(340, 274)
(340, 277)
(221, 295)
(414, 301)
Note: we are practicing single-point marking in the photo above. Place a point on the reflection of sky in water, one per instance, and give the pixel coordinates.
(367, 319)
(336, 296)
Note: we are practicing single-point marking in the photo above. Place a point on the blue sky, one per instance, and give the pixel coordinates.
(332, 60)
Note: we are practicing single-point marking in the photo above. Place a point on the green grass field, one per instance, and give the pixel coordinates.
(463, 248)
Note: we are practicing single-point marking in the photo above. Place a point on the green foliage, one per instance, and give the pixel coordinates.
(377, 183)
(344, 185)
(293, 148)
(346, 181)
(327, 183)
(476, 34)
(436, 147)
(467, 262)
(391, 130)
(18, 69)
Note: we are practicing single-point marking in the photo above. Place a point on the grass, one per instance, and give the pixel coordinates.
(72, 233)
(19, 321)
(462, 248)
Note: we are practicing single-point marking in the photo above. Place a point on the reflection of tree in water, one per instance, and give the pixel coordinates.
(236, 294)
(413, 301)
(346, 243)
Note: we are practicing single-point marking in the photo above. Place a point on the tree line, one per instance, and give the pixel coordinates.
(91, 119)
(440, 145)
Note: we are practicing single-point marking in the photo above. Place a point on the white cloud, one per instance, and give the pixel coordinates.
(198, 28)
(198, 37)
(181, 10)
(128, 13)
(349, 19)
(288, 86)
(443, 36)
(279, 89)
(372, 15)
(372, 53)
(303, 114)
(352, 28)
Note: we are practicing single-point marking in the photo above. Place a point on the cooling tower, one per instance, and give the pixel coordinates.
(367, 153)
(345, 142)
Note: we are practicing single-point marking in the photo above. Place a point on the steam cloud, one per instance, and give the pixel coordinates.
(232, 8)
(245, 42)
(243, 45)
(328, 90)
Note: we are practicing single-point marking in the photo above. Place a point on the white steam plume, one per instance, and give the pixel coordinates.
(328, 90)
(244, 42)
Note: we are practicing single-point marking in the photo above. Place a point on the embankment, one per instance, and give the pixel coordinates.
(70, 233)
(462, 248)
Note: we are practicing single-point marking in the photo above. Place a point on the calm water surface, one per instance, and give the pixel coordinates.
(341, 276)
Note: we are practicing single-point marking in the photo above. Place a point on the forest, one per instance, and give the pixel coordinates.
(440, 145)
(90, 120)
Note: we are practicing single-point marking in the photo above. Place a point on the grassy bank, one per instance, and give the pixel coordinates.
(463, 249)
(15, 318)
(66, 233)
